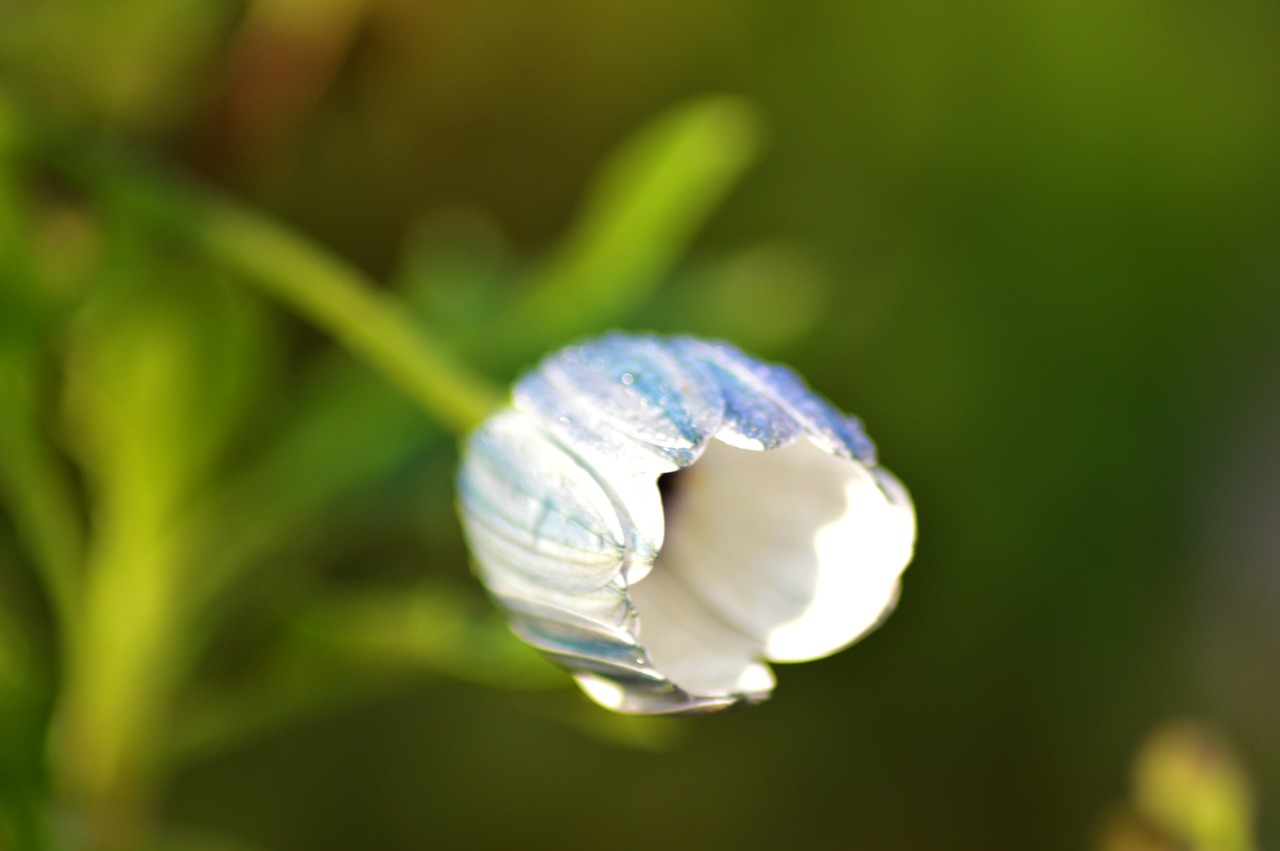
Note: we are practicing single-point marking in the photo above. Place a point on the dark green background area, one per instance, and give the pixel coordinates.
(1035, 246)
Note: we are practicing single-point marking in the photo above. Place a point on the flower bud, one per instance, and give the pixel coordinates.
(662, 517)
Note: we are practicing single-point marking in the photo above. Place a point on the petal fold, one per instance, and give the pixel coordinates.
(626, 398)
(534, 509)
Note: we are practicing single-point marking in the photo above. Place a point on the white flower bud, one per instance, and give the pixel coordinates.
(779, 540)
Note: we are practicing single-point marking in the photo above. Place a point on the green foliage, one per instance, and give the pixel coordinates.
(1033, 245)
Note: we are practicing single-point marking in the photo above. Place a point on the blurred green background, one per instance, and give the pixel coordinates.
(1034, 245)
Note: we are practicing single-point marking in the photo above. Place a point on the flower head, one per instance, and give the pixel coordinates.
(664, 516)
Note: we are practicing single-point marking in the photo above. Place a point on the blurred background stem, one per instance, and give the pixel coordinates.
(115, 706)
(326, 290)
(339, 299)
(124, 663)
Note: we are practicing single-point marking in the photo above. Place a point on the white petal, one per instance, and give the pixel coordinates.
(690, 645)
(795, 549)
(526, 498)
(860, 559)
(532, 506)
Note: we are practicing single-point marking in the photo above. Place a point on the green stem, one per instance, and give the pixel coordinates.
(115, 706)
(338, 298)
(323, 288)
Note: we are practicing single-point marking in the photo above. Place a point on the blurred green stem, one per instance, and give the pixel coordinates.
(325, 289)
(338, 298)
(119, 685)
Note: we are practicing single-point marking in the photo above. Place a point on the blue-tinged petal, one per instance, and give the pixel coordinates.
(593, 636)
(531, 507)
(645, 696)
(752, 418)
(628, 398)
(596, 628)
(837, 432)
(843, 433)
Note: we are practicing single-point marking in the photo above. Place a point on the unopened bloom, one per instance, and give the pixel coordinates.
(779, 539)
